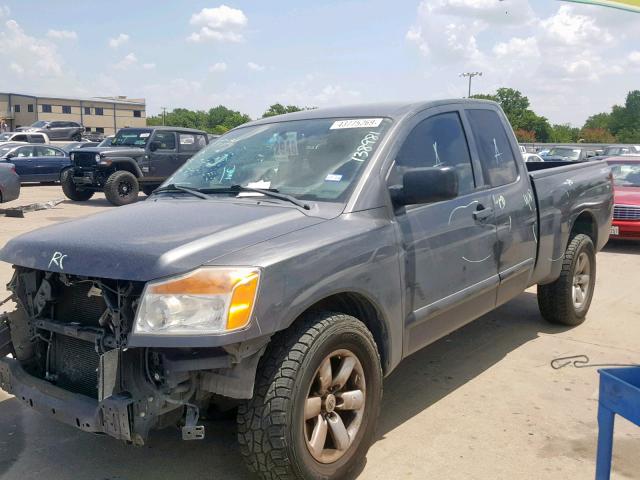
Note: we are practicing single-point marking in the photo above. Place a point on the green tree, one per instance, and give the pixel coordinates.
(279, 109)
(599, 120)
(564, 134)
(217, 120)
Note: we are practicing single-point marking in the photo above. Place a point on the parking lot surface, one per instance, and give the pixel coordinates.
(482, 403)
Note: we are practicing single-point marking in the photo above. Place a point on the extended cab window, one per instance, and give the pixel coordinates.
(190, 142)
(165, 140)
(438, 141)
(496, 157)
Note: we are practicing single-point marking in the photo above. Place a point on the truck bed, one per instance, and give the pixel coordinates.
(564, 192)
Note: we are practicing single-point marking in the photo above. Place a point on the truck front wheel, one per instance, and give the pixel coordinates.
(316, 401)
(121, 188)
(70, 190)
(566, 301)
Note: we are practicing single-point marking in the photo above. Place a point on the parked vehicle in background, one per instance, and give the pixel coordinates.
(568, 154)
(57, 130)
(23, 137)
(76, 145)
(523, 149)
(532, 157)
(9, 184)
(626, 211)
(138, 159)
(617, 150)
(106, 141)
(36, 163)
(289, 266)
(93, 136)
(543, 152)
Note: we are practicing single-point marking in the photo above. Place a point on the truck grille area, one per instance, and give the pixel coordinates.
(77, 305)
(626, 212)
(84, 159)
(75, 364)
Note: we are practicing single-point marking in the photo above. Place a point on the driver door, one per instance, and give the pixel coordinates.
(449, 247)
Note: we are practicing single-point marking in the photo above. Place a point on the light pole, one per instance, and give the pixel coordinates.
(470, 75)
(164, 114)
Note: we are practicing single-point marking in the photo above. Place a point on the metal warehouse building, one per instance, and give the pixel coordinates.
(98, 114)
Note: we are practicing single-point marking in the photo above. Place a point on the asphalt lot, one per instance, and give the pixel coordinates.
(482, 403)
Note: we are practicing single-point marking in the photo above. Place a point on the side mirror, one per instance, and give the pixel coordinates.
(426, 185)
(47, 127)
(153, 146)
(10, 155)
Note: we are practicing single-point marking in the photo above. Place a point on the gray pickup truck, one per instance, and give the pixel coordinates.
(287, 268)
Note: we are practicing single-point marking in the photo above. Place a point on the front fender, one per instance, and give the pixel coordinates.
(131, 163)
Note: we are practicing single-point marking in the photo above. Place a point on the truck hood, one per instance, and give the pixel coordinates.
(154, 238)
(113, 151)
(626, 195)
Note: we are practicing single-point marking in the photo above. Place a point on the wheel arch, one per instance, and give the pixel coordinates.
(363, 308)
(586, 224)
(126, 164)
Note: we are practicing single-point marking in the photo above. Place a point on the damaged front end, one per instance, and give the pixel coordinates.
(69, 341)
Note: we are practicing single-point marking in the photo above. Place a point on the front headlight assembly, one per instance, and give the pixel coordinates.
(206, 301)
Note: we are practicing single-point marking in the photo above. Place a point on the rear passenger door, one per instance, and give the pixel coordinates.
(507, 180)
(25, 166)
(49, 162)
(164, 161)
(449, 247)
(56, 130)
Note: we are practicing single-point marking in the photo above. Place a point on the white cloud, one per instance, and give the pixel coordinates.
(16, 68)
(569, 28)
(634, 57)
(129, 60)
(39, 58)
(118, 41)
(221, 24)
(517, 47)
(62, 34)
(5, 11)
(148, 66)
(255, 67)
(218, 67)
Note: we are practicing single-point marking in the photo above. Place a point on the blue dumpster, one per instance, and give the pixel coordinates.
(619, 394)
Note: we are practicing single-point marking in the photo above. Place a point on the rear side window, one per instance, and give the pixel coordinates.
(437, 141)
(36, 139)
(496, 157)
(190, 142)
(167, 140)
(48, 152)
(19, 138)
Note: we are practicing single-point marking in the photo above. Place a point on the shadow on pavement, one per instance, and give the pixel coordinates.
(30, 443)
(627, 247)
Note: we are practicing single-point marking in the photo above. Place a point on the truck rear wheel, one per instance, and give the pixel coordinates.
(566, 301)
(316, 401)
(121, 188)
(70, 190)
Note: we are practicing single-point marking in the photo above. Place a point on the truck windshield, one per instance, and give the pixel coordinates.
(626, 174)
(568, 153)
(316, 159)
(131, 138)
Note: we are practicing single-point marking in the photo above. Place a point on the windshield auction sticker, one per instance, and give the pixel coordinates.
(356, 123)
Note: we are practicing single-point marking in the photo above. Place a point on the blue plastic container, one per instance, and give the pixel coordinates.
(619, 394)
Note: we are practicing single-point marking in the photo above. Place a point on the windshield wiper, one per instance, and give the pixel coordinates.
(271, 192)
(172, 187)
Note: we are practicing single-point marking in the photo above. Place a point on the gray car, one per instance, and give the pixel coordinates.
(57, 130)
(9, 183)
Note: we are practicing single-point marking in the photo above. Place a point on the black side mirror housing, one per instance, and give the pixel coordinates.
(153, 146)
(426, 185)
(10, 155)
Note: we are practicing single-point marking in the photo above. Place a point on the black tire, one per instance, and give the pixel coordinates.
(271, 426)
(556, 300)
(77, 137)
(70, 190)
(148, 189)
(121, 188)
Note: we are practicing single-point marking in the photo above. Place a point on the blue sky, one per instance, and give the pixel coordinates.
(570, 60)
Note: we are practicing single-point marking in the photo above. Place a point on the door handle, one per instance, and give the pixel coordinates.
(482, 213)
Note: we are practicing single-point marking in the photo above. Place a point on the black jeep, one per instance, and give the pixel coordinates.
(138, 159)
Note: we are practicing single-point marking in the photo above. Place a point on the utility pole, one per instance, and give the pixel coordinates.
(470, 75)
(164, 114)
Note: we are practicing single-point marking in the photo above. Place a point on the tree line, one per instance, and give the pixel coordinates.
(620, 125)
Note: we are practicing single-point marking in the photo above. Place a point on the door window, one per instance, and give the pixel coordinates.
(496, 157)
(48, 152)
(20, 138)
(437, 141)
(34, 138)
(190, 142)
(165, 140)
(25, 152)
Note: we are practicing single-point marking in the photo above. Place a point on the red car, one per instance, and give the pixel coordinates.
(626, 212)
